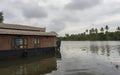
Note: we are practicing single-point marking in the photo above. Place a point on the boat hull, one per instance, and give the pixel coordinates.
(27, 52)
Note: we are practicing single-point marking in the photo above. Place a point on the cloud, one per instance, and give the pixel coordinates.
(33, 10)
(82, 4)
(35, 13)
(17, 11)
(60, 22)
(54, 14)
(68, 17)
(56, 25)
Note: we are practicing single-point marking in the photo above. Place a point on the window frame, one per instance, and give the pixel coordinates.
(14, 44)
(37, 42)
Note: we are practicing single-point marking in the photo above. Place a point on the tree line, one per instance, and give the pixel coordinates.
(94, 35)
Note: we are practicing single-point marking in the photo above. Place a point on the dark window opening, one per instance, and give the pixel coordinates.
(19, 43)
(37, 42)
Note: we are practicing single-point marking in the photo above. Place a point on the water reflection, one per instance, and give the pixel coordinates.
(94, 49)
(102, 48)
(30, 66)
(118, 49)
(89, 58)
(58, 55)
(78, 58)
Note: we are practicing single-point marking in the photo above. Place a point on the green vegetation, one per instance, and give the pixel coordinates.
(1, 17)
(93, 35)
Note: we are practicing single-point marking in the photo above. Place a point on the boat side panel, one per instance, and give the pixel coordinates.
(5, 42)
(29, 52)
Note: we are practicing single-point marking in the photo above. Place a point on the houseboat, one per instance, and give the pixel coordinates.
(21, 40)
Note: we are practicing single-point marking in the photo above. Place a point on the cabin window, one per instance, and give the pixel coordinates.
(37, 42)
(25, 41)
(19, 43)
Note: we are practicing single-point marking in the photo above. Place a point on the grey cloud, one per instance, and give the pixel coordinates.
(30, 9)
(59, 23)
(10, 11)
(19, 10)
(23, 12)
(9, 14)
(34, 11)
(82, 4)
(56, 25)
(70, 18)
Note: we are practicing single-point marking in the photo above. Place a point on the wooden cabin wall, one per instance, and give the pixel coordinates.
(44, 41)
(47, 42)
(5, 42)
(31, 40)
(53, 41)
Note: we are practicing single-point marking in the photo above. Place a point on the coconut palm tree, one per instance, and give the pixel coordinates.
(96, 31)
(86, 31)
(106, 33)
(118, 29)
(93, 30)
(106, 28)
(90, 31)
(102, 30)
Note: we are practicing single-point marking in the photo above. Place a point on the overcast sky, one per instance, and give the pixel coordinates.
(62, 16)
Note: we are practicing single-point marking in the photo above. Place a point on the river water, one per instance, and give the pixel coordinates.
(74, 58)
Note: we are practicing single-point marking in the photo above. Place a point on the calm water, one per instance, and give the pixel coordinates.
(76, 58)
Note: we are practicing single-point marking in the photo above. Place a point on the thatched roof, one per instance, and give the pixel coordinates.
(22, 30)
(20, 27)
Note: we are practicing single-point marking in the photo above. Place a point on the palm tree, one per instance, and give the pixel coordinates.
(96, 31)
(90, 31)
(93, 30)
(118, 29)
(102, 30)
(86, 30)
(106, 33)
(66, 35)
(106, 28)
